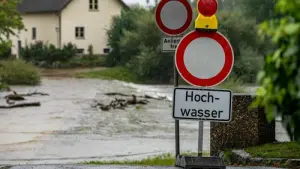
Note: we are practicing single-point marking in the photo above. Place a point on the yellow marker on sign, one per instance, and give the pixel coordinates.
(207, 19)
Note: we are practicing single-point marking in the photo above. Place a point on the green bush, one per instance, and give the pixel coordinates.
(124, 22)
(5, 50)
(87, 61)
(41, 53)
(18, 72)
(142, 47)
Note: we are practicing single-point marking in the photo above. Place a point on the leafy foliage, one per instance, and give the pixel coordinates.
(137, 44)
(124, 22)
(280, 78)
(259, 10)
(10, 21)
(5, 50)
(41, 52)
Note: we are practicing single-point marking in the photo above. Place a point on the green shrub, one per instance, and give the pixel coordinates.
(142, 49)
(91, 50)
(3, 86)
(124, 22)
(18, 72)
(5, 50)
(87, 61)
(41, 52)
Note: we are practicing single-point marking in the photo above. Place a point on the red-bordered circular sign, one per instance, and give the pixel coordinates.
(176, 31)
(181, 52)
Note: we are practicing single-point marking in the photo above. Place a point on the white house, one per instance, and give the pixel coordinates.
(81, 22)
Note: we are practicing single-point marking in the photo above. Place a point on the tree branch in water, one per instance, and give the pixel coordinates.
(118, 103)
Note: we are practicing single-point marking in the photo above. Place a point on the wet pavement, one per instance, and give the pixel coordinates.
(65, 129)
(110, 167)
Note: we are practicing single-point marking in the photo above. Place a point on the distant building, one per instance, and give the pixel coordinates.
(81, 22)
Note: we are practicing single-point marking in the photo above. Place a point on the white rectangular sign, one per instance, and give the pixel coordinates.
(169, 43)
(202, 104)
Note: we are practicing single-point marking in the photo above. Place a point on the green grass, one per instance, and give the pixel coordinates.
(115, 73)
(278, 150)
(233, 84)
(123, 74)
(160, 160)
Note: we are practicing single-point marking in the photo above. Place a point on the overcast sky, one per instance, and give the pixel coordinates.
(142, 2)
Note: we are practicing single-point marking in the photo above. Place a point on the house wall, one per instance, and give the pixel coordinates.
(45, 24)
(96, 23)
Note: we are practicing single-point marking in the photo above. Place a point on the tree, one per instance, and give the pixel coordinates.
(258, 9)
(126, 21)
(11, 21)
(280, 78)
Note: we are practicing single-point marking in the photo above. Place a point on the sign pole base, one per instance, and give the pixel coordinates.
(191, 162)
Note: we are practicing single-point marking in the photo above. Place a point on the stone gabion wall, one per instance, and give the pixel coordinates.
(247, 128)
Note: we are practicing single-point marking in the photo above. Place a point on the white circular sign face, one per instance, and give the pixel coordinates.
(174, 15)
(204, 58)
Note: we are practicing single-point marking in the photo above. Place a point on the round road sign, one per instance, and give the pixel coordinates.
(204, 59)
(173, 17)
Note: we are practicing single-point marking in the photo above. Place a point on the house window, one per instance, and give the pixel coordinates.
(93, 4)
(106, 50)
(79, 32)
(33, 33)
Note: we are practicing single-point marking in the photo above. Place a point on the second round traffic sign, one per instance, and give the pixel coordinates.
(173, 17)
(204, 59)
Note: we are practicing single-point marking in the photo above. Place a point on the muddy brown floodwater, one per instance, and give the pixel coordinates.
(65, 129)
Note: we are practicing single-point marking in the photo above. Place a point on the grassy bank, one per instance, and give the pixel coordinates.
(123, 74)
(17, 72)
(275, 155)
(116, 73)
(160, 160)
(280, 150)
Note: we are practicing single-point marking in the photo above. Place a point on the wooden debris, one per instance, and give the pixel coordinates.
(20, 105)
(118, 103)
(11, 98)
(14, 97)
(34, 93)
(145, 96)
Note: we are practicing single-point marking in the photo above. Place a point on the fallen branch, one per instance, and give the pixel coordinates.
(17, 97)
(120, 103)
(34, 93)
(127, 95)
(35, 104)
(14, 97)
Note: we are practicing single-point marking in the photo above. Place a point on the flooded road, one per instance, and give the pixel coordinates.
(66, 129)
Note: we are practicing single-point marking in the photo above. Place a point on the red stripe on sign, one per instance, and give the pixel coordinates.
(165, 29)
(221, 76)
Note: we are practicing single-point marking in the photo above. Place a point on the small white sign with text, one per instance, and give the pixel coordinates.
(170, 43)
(202, 104)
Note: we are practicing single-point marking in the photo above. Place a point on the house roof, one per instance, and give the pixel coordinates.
(37, 6)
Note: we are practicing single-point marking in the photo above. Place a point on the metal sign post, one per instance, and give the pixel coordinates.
(200, 139)
(177, 136)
